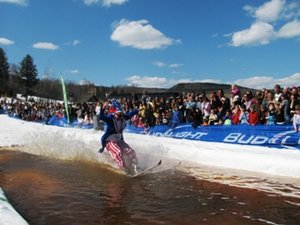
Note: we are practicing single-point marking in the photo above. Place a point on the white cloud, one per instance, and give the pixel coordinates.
(259, 33)
(106, 3)
(270, 11)
(161, 82)
(264, 30)
(140, 34)
(291, 11)
(75, 42)
(85, 82)
(5, 41)
(147, 81)
(91, 2)
(159, 64)
(45, 45)
(17, 2)
(256, 82)
(250, 9)
(75, 71)
(162, 64)
(175, 65)
(259, 82)
(290, 30)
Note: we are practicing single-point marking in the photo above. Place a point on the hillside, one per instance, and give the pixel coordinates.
(176, 90)
(205, 87)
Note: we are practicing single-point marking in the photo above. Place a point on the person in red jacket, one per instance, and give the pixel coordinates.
(253, 116)
(236, 112)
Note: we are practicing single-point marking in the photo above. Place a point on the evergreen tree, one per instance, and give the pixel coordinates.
(28, 73)
(4, 72)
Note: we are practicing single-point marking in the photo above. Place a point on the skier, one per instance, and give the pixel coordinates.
(113, 139)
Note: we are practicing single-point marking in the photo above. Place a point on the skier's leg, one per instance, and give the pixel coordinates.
(116, 153)
(130, 154)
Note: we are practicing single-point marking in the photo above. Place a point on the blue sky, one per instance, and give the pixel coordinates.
(156, 43)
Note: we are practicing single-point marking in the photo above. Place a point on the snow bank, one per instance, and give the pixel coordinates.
(81, 144)
(8, 215)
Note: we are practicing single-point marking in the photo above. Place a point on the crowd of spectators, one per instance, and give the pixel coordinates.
(275, 106)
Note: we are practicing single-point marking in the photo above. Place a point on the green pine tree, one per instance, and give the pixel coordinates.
(4, 72)
(28, 73)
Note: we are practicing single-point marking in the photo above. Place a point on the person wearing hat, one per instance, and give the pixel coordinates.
(296, 118)
(113, 139)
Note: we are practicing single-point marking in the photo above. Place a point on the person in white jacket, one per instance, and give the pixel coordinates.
(296, 118)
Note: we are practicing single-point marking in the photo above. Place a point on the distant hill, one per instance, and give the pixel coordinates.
(206, 87)
(178, 89)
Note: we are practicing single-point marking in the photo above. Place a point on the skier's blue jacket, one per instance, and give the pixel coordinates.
(109, 122)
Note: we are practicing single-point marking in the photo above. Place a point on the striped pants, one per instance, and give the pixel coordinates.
(122, 153)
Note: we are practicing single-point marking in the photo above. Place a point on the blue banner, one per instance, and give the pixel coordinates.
(63, 122)
(275, 136)
(279, 136)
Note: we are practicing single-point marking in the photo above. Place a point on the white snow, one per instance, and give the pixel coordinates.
(81, 144)
(8, 215)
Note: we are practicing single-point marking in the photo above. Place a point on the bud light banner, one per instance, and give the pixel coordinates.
(278, 136)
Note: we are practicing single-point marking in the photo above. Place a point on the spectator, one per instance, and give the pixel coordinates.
(135, 120)
(296, 118)
(271, 114)
(293, 104)
(279, 114)
(265, 98)
(215, 101)
(220, 93)
(213, 117)
(206, 107)
(235, 91)
(165, 118)
(270, 98)
(263, 114)
(197, 118)
(181, 109)
(244, 115)
(149, 116)
(190, 105)
(249, 100)
(141, 123)
(198, 102)
(259, 97)
(253, 116)
(175, 117)
(236, 112)
(205, 122)
(227, 118)
(236, 100)
(277, 93)
(285, 106)
(224, 107)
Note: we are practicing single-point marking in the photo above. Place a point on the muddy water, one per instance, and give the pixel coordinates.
(48, 191)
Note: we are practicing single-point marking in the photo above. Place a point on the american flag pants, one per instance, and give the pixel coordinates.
(118, 150)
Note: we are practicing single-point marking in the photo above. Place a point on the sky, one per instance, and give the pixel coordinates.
(157, 43)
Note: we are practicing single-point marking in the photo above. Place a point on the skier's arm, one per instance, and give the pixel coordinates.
(130, 114)
(102, 115)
